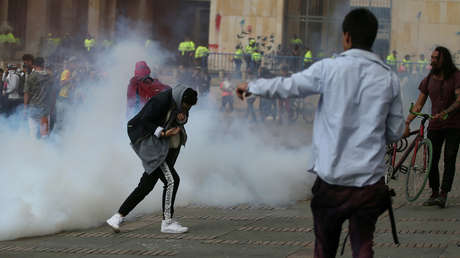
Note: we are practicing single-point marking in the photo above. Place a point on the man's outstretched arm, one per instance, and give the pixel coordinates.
(300, 84)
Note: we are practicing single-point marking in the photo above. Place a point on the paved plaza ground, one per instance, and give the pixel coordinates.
(251, 231)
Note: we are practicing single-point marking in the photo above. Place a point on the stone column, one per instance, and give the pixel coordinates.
(111, 18)
(36, 25)
(67, 16)
(94, 8)
(4, 14)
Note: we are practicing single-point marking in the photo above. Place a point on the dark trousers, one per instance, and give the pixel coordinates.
(12, 105)
(451, 137)
(238, 63)
(168, 175)
(332, 205)
(227, 100)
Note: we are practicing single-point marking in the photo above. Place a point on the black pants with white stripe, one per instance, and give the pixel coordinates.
(168, 175)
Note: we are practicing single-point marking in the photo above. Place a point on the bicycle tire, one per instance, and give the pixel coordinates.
(419, 169)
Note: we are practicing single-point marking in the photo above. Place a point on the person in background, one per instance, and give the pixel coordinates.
(11, 89)
(238, 59)
(141, 88)
(227, 89)
(36, 99)
(442, 86)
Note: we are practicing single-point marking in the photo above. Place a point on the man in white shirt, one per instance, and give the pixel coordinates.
(359, 112)
(11, 90)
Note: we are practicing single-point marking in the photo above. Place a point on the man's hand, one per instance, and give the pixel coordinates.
(172, 131)
(242, 90)
(441, 116)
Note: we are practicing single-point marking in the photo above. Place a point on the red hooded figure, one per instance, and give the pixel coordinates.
(142, 87)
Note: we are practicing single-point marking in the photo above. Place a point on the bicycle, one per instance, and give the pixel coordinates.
(299, 107)
(419, 166)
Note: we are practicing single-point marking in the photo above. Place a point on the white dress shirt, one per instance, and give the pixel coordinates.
(359, 112)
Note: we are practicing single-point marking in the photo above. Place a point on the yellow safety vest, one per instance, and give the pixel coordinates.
(256, 56)
(249, 50)
(238, 54)
(308, 57)
(186, 46)
(10, 38)
(90, 43)
(391, 59)
(201, 51)
(296, 41)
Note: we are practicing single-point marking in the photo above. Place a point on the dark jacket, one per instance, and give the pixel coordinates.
(154, 114)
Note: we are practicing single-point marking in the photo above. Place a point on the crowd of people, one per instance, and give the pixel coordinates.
(40, 92)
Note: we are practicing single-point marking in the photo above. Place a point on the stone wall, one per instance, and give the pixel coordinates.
(242, 19)
(420, 25)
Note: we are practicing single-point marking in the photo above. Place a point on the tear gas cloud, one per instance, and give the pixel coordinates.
(80, 176)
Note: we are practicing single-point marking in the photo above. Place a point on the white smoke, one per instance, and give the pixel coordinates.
(79, 177)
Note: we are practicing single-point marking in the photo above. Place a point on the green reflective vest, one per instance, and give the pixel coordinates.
(90, 43)
(238, 54)
(201, 51)
(308, 58)
(249, 50)
(296, 41)
(9, 38)
(391, 59)
(186, 46)
(256, 57)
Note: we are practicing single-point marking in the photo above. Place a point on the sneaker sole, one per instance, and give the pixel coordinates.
(175, 232)
(116, 230)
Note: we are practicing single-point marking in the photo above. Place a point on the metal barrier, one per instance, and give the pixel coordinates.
(226, 62)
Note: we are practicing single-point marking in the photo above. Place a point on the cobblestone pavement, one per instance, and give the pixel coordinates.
(248, 231)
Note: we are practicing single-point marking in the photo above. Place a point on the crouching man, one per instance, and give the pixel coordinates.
(157, 132)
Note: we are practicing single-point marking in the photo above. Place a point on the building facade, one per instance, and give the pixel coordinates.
(165, 21)
(418, 26)
(411, 27)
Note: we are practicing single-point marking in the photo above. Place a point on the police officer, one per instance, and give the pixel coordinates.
(186, 51)
(201, 56)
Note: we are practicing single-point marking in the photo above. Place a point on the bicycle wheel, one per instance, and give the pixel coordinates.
(418, 171)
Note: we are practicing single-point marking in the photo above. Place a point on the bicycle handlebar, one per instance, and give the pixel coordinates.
(423, 114)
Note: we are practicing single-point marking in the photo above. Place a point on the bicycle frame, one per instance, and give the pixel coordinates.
(414, 144)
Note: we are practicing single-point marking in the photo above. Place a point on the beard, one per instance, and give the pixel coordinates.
(435, 70)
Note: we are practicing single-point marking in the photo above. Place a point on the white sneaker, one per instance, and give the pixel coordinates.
(115, 221)
(171, 226)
